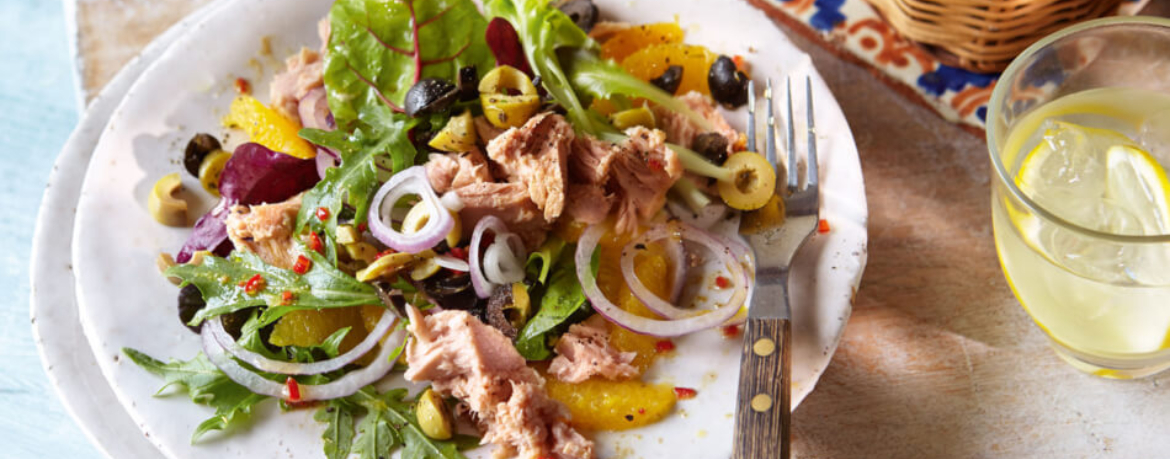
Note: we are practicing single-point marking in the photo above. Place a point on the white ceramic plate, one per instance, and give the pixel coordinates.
(72, 370)
(125, 303)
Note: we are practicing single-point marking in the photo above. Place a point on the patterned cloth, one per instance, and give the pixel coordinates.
(855, 28)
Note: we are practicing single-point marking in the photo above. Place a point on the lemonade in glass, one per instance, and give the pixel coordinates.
(1079, 135)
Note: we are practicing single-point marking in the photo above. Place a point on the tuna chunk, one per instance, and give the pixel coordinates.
(587, 200)
(585, 352)
(457, 170)
(681, 131)
(266, 230)
(586, 203)
(485, 130)
(302, 74)
(508, 202)
(475, 363)
(642, 174)
(536, 155)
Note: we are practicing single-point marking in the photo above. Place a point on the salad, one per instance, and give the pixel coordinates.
(517, 208)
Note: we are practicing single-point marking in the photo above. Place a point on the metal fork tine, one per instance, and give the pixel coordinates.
(812, 136)
(751, 127)
(770, 134)
(792, 179)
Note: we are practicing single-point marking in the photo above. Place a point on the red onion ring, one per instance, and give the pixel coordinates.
(676, 252)
(646, 326)
(483, 288)
(325, 160)
(668, 231)
(503, 260)
(411, 181)
(747, 258)
(268, 365)
(451, 262)
(344, 387)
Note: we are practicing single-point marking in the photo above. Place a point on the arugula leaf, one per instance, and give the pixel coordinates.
(338, 436)
(206, 385)
(559, 306)
(541, 261)
(323, 287)
(606, 80)
(378, 49)
(543, 29)
(376, 438)
(397, 414)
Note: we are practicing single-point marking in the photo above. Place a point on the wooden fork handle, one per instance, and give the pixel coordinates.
(765, 376)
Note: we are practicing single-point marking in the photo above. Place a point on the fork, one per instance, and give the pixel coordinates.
(762, 416)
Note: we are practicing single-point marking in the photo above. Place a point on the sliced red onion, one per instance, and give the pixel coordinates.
(503, 260)
(679, 231)
(268, 365)
(483, 287)
(451, 262)
(677, 254)
(744, 254)
(346, 386)
(314, 110)
(646, 326)
(325, 160)
(411, 181)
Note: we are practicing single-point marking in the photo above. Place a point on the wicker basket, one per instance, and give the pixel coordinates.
(985, 35)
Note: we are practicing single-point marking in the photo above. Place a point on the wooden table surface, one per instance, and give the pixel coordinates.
(938, 360)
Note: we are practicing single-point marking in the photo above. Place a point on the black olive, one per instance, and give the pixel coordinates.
(430, 96)
(712, 145)
(670, 79)
(190, 302)
(468, 83)
(198, 148)
(500, 298)
(583, 13)
(451, 291)
(728, 84)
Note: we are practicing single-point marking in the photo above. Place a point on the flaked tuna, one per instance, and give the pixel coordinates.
(449, 171)
(585, 352)
(266, 230)
(642, 174)
(508, 202)
(475, 363)
(302, 74)
(536, 155)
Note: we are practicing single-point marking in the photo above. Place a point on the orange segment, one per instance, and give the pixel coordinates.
(311, 327)
(649, 63)
(613, 405)
(652, 268)
(371, 315)
(631, 40)
(267, 127)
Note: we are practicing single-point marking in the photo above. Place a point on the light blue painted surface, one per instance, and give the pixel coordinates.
(37, 113)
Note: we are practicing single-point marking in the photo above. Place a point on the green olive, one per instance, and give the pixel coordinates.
(346, 234)
(385, 266)
(508, 97)
(361, 251)
(433, 417)
(165, 261)
(425, 268)
(164, 203)
(417, 218)
(211, 169)
(626, 119)
(752, 183)
(520, 309)
(457, 136)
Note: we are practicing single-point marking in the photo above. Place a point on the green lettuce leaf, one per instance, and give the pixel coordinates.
(206, 385)
(606, 80)
(541, 261)
(323, 287)
(561, 305)
(378, 49)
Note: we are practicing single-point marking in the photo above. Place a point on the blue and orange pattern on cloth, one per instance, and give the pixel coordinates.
(853, 26)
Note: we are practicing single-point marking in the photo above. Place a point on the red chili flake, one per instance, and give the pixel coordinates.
(385, 252)
(731, 331)
(823, 226)
(254, 285)
(641, 411)
(459, 252)
(243, 86)
(302, 265)
(322, 213)
(684, 393)
(287, 297)
(738, 62)
(362, 227)
(722, 282)
(655, 164)
(294, 390)
(315, 243)
(664, 346)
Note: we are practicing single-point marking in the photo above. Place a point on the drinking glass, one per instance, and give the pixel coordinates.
(1101, 292)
